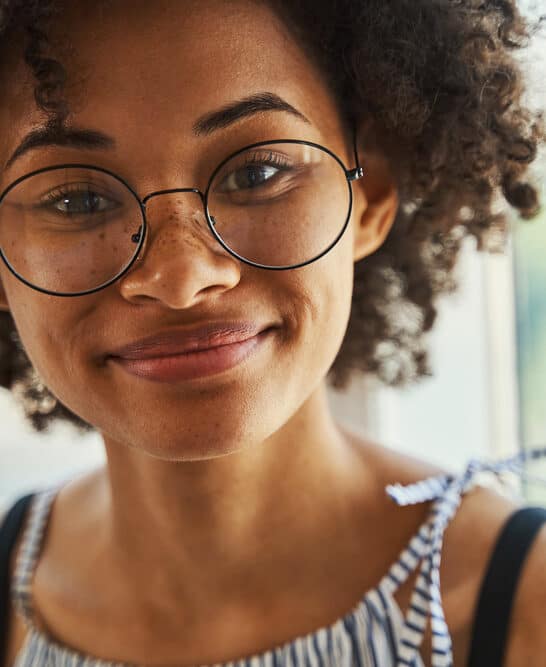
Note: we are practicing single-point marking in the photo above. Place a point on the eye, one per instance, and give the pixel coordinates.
(250, 176)
(256, 171)
(77, 201)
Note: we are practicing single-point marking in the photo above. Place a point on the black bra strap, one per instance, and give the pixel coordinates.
(9, 530)
(492, 618)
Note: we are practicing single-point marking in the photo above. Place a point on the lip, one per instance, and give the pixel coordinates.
(184, 354)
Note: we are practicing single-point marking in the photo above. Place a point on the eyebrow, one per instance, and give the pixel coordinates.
(61, 136)
(206, 124)
(234, 111)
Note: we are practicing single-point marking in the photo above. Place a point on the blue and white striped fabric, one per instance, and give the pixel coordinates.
(375, 633)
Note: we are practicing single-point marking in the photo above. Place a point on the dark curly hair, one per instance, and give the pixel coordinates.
(440, 91)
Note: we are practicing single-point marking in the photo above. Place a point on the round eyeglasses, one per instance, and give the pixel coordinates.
(73, 229)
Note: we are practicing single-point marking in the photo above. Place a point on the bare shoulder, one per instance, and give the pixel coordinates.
(17, 628)
(468, 546)
(469, 541)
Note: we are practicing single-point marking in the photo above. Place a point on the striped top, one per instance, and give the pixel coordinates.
(375, 633)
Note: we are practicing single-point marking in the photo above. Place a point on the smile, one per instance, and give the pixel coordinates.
(192, 365)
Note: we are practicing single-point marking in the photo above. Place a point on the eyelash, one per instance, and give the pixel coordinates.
(63, 191)
(273, 160)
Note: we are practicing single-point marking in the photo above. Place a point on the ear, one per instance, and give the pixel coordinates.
(376, 204)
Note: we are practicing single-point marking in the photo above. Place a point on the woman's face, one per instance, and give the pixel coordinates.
(143, 73)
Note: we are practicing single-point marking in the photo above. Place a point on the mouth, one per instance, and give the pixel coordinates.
(164, 365)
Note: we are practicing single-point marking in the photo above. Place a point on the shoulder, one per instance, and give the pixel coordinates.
(15, 626)
(468, 546)
(469, 541)
(21, 511)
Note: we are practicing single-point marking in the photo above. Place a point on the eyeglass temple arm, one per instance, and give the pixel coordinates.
(358, 172)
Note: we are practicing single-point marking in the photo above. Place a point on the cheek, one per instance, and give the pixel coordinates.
(48, 329)
(321, 299)
(338, 297)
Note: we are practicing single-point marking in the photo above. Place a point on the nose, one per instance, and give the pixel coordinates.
(180, 263)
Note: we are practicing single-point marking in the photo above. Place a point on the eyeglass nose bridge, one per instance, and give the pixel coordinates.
(136, 237)
(164, 192)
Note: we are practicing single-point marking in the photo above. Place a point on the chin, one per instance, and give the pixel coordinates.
(193, 439)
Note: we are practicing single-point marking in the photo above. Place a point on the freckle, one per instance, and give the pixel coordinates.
(101, 236)
(115, 248)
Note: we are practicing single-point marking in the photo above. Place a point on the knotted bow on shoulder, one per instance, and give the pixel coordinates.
(447, 491)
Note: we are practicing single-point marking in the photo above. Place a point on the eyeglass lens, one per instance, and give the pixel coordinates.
(73, 229)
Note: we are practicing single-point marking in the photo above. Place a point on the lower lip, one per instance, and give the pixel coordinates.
(191, 365)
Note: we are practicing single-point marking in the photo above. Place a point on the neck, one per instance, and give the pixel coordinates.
(220, 520)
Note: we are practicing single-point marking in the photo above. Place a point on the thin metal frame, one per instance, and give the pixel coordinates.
(350, 174)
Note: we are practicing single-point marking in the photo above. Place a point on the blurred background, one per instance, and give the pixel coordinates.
(487, 398)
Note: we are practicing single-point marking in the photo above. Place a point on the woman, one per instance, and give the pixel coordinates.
(189, 297)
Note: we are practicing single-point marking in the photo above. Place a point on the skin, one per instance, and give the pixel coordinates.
(243, 482)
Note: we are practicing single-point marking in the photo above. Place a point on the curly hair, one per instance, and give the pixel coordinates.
(441, 92)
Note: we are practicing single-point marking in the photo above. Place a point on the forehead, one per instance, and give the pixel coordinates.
(145, 69)
(148, 47)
